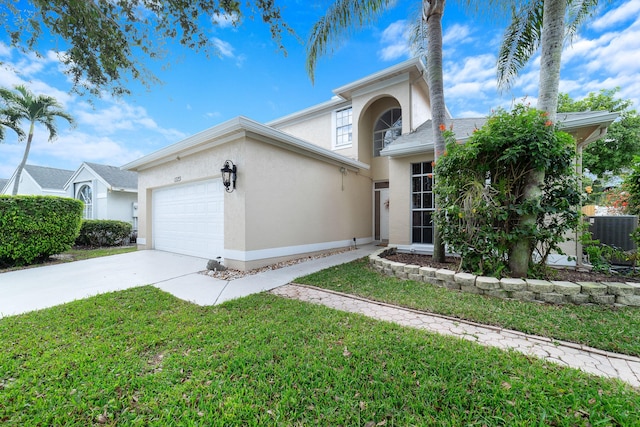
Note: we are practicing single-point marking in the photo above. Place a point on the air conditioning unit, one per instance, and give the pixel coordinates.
(614, 231)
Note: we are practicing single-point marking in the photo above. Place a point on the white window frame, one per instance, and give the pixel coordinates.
(87, 212)
(422, 202)
(336, 126)
(387, 135)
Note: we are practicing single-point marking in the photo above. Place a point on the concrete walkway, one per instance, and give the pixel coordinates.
(593, 361)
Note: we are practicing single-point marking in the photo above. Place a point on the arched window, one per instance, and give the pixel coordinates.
(86, 195)
(388, 127)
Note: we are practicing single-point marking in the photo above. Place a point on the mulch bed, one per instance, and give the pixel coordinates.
(565, 274)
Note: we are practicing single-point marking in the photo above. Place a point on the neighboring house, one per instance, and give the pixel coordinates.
(40, 181)
(354, 169)
(108, 192)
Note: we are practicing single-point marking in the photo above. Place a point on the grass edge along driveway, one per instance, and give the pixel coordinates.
(143, 357)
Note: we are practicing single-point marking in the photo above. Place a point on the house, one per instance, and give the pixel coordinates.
(108, 192)
(352, 170)
(39, 180)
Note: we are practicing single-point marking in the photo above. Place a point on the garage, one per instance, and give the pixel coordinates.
(189, 219)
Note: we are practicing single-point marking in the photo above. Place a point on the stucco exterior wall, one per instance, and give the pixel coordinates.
(400, 197)
(316, 130)
(297, 204)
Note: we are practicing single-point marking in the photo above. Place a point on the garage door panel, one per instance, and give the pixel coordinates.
(189, 219)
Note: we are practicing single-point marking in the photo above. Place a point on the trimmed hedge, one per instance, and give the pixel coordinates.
(103, 232)
(36, 227)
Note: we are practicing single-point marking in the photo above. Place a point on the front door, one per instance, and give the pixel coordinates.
(381, 212)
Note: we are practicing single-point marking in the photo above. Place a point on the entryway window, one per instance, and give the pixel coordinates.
(86, 195)
(422, 203)
(387, 129)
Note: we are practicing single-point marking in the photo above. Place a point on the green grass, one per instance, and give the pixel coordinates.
(80, 254)
(606, 328)
(142, 357)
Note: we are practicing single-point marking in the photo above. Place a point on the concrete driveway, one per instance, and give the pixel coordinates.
(42, 287)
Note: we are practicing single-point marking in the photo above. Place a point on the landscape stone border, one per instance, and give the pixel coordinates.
(549, 291)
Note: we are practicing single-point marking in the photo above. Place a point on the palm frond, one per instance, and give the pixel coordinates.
(342, 17)
(578, 12)
(520, 42)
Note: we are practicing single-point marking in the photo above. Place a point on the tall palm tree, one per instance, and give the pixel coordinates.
(537, 24)
(22, 104)
(343, 15)
(544, 25)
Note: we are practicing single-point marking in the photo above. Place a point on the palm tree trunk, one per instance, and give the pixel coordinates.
(550, 57)
(553, 27)
(16, 183)
(432, 11)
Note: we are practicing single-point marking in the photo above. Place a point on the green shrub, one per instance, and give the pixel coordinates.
(102, 232)
(36, 227)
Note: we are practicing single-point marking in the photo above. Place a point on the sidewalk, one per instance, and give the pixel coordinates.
(590, 360)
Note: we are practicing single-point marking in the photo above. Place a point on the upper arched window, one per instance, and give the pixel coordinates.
(86, 195)
(387, 128)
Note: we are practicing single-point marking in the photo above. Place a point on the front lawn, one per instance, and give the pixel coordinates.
(606, 328)
(143, 357)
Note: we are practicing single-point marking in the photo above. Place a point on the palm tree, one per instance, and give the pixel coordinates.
(342, 15)
(22, 104)
(545, 25)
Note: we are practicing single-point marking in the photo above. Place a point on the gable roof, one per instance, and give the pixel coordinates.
(413, 69)
(237, 128)
(48, 178)
(113, 177)
(421, 140)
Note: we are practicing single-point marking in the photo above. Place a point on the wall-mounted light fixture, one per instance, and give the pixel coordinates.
(229, 176)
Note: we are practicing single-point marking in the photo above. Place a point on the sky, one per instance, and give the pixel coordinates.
(251, 77)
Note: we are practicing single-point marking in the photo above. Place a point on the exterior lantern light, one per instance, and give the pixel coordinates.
(229, 176)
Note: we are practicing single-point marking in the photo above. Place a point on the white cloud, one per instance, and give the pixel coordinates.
(76, 147)
(395, 41)
(616, 16)
(224, 48)
(110, 131)
(456, 34)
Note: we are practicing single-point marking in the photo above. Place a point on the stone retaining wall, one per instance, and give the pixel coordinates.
(553, 291)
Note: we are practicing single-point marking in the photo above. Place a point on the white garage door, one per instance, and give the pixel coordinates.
(189, 219)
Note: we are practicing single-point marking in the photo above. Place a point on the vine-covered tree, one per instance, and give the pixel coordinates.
(484, 184)
(544, 25)
(104, 42)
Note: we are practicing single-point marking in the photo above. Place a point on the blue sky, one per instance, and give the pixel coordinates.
(251, 77)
